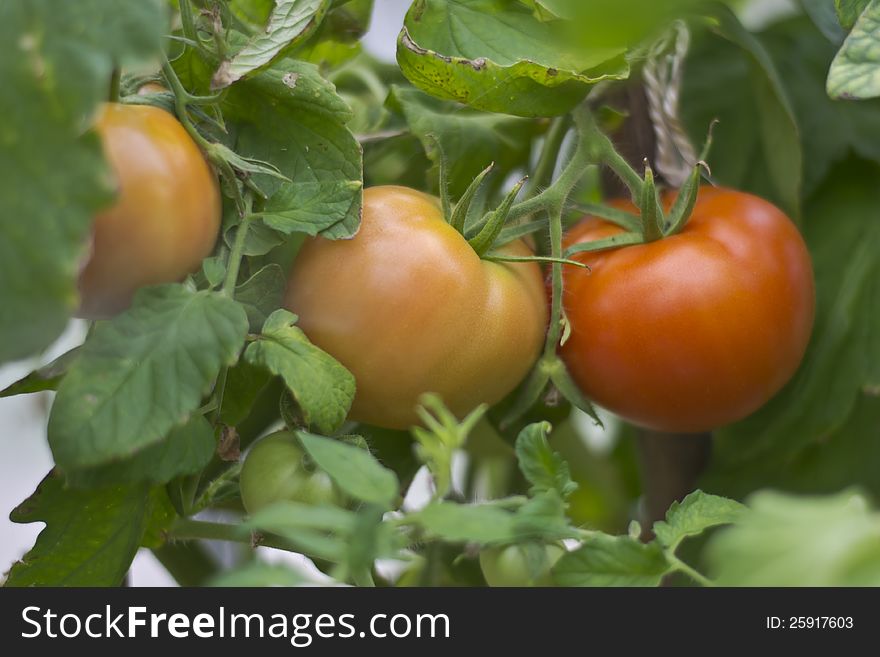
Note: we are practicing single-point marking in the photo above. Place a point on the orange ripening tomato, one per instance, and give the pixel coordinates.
(695, 330)
(408, 307)
(165, 218)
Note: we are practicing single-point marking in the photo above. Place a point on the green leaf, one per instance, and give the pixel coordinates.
(849, 455)
(283, 518)
(261, 295)
(843, 358)
(353, 469)
(322, 387)
(778, 128)
(90, 536)
(439, 438)
(462, 523)
(855, 71)
(259, 573)
(184, 451)
(693, 515)
(292, 117)
(338, 37)
(53, 177)
(800, 541)
(471, 139)
(318, 531)
(543, 468)
(848, 11)
(46, 377)
(143, 373)
(496, 56)
(291, 22)
(605, 560)
(830, 130)
(214, 271)
(824, 15)
(543, 517)
(244, 383)
(615, 23)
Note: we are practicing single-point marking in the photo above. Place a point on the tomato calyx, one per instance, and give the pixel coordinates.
(487, 234)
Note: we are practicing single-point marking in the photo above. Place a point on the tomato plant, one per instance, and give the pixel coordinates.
(697, 330)
(504, 289)
(166, 216)
(409, 308)
(276, 470)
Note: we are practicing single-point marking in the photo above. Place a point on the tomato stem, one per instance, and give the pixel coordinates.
(235, 255)
(549, 154)
(186, 20)
(115, 78)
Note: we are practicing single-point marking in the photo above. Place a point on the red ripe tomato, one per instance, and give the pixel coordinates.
(696, 330)
(166, 216)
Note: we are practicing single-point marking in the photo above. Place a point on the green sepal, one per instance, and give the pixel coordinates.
(652, 214)
(485, 239)
(460, 212)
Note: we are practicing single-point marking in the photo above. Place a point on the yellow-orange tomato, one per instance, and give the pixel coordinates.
(165, 218)
(408, 307)
(697, 330)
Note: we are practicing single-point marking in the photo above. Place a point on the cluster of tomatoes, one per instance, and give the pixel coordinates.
(686, 333)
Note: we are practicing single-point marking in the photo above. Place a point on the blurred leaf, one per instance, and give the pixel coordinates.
(318, 531)
(830, 130)
(824, 15)
(800, 541)
(543, 517)
(143, 373)
(371, 539)
(353, 469)
(184, 451)
(617, 23)
(254, 12)
(259, 573)
(213, 270)
(545, 469)
(322, 387)
(843, 358)
(496, 56)
(338, 37)
(53, 177)
(43, 378)
(757, 143)
(439, 438)
(855, 71)
(693, 515)
(290, 22)
(848, 11)
(471, 140)
(848, 456)
(605, 560)
(244, 383)
(261, 295)
(462, 523)
(90, 536)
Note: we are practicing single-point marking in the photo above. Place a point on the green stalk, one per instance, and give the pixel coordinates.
(187, 22)
(115, 78)
(549, 154)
